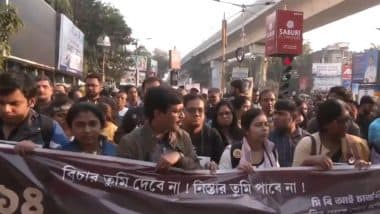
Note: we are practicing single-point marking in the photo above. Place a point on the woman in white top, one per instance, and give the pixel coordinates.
(256, 150)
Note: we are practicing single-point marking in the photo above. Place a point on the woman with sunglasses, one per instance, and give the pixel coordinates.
(331, 144)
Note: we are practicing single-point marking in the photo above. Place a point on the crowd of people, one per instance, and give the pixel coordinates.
(186, 129)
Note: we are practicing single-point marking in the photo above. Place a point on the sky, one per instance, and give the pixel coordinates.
(185, 24)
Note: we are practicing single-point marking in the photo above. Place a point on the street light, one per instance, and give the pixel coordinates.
(104, 42)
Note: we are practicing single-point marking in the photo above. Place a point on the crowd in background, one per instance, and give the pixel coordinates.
(187, 129)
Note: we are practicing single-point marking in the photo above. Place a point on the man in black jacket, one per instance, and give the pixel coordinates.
(207, 141)
(19, 122)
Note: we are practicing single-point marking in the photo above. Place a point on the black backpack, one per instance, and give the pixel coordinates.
(46, 125)
(235, 155)
(313, 150)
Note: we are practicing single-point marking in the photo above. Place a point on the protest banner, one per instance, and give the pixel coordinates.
(47, 181)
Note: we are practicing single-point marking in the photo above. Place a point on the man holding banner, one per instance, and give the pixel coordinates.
(160, 139)
(19, 122)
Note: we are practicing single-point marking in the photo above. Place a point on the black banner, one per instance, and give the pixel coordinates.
(61, 182)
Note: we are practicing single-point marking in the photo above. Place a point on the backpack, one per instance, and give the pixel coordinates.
(47, 128)
(313, 150)
(235, 154)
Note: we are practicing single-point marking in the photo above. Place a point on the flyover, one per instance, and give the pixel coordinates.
(316, 13)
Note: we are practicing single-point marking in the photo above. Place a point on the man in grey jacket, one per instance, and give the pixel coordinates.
(160, 139)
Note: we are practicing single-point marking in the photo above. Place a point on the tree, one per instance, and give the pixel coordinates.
(62, 6)
(10, 23)
(95, 18)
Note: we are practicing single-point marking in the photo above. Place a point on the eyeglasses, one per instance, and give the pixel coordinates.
(194, 110)
(227, 113)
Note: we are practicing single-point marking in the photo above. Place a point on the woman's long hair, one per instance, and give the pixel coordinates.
(235, 132)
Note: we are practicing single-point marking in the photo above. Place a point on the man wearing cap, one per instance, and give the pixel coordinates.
(286, 134)
(365, 115)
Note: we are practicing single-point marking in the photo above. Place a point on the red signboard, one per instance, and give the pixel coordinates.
(347, 72)
(284, 30)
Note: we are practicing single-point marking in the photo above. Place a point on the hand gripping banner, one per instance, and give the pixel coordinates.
(47, 181)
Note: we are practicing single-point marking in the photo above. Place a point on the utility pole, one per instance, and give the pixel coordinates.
(224, 46)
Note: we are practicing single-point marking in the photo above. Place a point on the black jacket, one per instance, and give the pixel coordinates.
(208, 143)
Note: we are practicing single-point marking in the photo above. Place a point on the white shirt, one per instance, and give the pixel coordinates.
(123, 112)
(270, 159)
(225, 160)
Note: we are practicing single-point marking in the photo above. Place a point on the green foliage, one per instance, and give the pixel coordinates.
(10, 23)
(96, 18)
(62, 6)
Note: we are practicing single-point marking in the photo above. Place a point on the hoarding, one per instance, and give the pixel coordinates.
(38, 34)
(347, 76)
(365, 67)
(129, 78)
(71, 47)
(364, 90)
(284, 29)
(141, 63)
(239, 73)
(326, 75)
